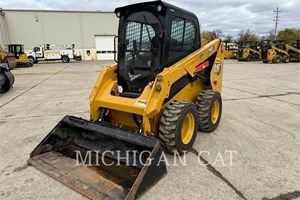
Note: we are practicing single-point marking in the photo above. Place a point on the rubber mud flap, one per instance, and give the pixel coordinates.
(98, 160)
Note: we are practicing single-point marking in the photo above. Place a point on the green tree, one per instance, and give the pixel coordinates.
(247, 36)
(228, 38)
(211, 35)
(289, 35)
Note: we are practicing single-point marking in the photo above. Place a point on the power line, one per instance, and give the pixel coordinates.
(276, 19)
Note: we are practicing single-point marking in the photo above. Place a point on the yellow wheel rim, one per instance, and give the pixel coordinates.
(215, 111)
(187, 128)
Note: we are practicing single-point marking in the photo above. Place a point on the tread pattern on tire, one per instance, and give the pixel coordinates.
(168, 124)
(203, 102)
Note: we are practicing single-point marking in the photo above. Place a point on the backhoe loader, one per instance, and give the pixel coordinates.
(294, 51)
(163, 89)
(20, 55)
(7, 57)
(274, 51)
(248, 51)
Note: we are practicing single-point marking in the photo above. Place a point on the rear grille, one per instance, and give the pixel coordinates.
(240, 53)
(264, 54)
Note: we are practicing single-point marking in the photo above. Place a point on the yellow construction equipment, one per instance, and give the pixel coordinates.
(231, 50)
(9, 58)
(163, 89)
(248, 51)
(294, 51)
(274, 51)
(20, 55)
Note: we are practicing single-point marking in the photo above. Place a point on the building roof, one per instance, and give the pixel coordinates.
(70, 11)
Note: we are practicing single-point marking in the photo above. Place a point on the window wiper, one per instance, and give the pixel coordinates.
(152, 45)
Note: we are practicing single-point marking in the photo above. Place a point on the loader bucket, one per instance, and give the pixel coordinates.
(98, 160)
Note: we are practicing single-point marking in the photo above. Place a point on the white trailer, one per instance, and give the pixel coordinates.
(51, 52)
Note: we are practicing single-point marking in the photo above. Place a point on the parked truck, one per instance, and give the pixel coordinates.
(52, 52)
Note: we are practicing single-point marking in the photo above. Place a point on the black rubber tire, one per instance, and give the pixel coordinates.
(35, 61)
(65, 59)
(171, 123)
(285, 59)
(31, 59)
(250, 57)
(277, 59)
(6, 86)
(265, 61)
(204, 104)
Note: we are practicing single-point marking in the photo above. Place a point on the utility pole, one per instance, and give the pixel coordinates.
(276, 20)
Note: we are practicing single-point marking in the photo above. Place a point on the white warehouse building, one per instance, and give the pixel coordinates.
(91, 32)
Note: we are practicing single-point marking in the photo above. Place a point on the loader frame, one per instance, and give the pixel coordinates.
(164, 89)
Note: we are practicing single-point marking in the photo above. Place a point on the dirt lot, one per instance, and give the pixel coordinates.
(260, 126)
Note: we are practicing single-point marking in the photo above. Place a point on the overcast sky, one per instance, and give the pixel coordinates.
(230, 16)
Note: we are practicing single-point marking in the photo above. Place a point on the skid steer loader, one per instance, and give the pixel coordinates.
(248, 51)
(20, 55)
(163, 89)
(274, 51)
(231, 50)
(294, 51)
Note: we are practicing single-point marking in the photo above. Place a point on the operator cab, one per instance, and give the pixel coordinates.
(296, 44)
(280, 44)
(148, 42)
(17, 49)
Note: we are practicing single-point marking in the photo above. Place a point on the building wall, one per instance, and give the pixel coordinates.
(4, 37)
(37, 27)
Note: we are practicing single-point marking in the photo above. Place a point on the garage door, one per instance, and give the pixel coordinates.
(105, 47)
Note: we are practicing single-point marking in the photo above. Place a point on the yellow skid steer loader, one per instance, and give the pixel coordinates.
(20, 55)
(163, 89)
(274, 51)
(294, 51)
(248, 51)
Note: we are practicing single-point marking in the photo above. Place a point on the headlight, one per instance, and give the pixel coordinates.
(217, 68)
(159, 8)
(118, 14)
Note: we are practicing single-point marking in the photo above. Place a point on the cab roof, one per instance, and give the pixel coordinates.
(165, 6)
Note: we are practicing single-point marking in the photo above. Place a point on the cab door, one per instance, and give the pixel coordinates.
(39, 52)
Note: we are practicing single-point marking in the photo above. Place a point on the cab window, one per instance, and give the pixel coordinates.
(183, 36)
